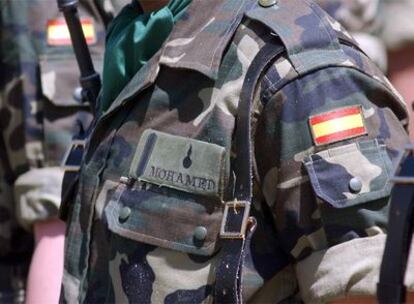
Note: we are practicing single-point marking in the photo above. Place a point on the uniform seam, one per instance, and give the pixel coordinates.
(230, 29)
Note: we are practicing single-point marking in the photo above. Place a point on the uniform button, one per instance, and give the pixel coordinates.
(77, 94)
(355, 184)
(267, 3)
(124, 213)
(200, 233)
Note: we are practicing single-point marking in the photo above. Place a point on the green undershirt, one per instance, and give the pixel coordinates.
(133, 38)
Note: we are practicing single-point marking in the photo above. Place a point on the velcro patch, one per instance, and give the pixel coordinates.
(58, 32)
(180, 163)
(337, 125)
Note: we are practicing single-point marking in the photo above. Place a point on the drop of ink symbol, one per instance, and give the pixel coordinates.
(187, 162)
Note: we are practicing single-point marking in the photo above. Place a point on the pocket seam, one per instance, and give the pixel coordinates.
(378, 193)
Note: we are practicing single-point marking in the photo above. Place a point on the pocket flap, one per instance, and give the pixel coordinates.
(60, 79)
(169, 219)
(350, 174)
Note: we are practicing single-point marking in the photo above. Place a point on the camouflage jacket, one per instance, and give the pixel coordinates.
(158, 168)
(39, 113)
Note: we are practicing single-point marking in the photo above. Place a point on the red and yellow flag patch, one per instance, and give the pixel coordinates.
(58, 32)
(337, 125)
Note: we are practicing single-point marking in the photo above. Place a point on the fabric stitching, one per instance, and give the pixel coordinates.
(117, 229)
(341, 201)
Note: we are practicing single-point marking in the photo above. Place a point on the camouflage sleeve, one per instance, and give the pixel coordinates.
(37, 195)
(325, 146)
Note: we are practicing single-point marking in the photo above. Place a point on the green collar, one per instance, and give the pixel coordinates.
(197, 41)
(133, 38)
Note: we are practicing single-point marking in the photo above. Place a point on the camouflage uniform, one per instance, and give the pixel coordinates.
(158, 166)
(39, 113)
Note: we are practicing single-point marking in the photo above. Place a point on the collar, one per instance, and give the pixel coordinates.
(200, 37)
(197, 42)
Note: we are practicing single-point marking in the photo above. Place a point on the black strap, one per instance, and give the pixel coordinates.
(391, 288)
(243, 136)
(233, 230)
(71, 165)
(69, 186)
(9, 174)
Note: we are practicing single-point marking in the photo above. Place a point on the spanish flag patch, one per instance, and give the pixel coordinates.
(337, 125)
(58, 32)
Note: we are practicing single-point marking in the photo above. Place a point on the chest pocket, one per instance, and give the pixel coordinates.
(176, 199)
(63, 110)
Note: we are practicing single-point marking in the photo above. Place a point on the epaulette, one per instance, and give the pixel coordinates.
(305, 30)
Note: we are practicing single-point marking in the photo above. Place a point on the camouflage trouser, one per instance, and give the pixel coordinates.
(12, 283)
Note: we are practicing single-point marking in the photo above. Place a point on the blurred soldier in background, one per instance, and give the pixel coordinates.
(398, 31)
(40, 109)
(364, 19)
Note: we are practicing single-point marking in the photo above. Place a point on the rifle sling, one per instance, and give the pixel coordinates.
(391, 288)
(230, 264)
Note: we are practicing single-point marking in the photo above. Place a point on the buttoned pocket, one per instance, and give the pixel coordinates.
(350, 174)
(165, 218)
(63, 110)
(174, 195)
(352, 187)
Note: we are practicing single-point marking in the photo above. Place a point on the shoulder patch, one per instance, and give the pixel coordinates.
(337, 125)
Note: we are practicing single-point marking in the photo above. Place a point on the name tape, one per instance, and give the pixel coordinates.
(180, 163)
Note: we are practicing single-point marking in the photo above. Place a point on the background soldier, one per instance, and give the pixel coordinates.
(40, 110)
(365, 20)
(165, 186)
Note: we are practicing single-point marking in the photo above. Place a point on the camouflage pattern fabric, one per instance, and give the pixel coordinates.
(39, 114)
(356, 15)
(365, 21)
(144, 224)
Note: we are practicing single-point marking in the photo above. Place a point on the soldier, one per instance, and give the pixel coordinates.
(241, 154)
(40, 110)
(364, 20)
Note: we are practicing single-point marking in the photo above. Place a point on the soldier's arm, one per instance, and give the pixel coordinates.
(37, 196)
(325, 147)
(43, 284)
